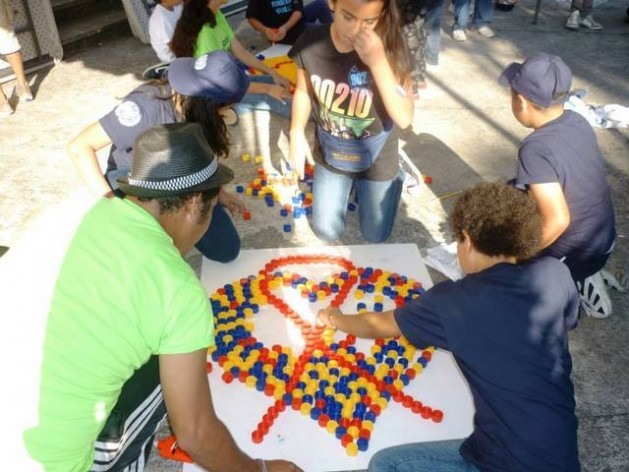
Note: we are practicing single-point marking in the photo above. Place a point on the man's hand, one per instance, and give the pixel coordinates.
(231, 202)
(369, 47)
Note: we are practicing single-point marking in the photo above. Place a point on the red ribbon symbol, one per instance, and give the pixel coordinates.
(342, 389)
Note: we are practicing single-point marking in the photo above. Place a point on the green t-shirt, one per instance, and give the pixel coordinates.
(214, 39)
(124, 293)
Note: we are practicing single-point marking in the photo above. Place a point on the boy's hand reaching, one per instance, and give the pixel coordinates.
(326, 316)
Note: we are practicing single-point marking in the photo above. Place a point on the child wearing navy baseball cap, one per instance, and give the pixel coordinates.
(560, 165)
(197, 90)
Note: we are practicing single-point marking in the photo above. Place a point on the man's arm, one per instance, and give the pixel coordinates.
(192, 417)
(366, 325)
(553, 207)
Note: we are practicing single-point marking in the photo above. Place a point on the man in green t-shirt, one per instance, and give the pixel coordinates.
(130, 323)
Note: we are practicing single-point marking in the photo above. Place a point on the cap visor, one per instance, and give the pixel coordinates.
(179, 77)
(509, 73)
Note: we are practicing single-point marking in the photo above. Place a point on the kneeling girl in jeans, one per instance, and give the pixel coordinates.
(358, 92)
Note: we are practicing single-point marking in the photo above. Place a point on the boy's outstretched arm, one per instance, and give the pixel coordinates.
(553, 207)
(366, 325)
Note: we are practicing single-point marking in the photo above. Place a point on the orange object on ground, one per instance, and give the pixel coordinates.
(284, 66)
(169, 449)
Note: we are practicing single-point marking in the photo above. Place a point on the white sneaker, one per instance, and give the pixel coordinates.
(589, 23)
(459, 35)
(573, 20)
(486, 31)
(595, 301)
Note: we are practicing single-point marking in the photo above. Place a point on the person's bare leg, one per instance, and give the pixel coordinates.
(23, 90)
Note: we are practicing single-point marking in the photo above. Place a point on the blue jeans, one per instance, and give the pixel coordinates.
(483, 13)
(442, 456)
(221, 241)
(318, 10)
(377, 204)
(432, 24)
(261, 101)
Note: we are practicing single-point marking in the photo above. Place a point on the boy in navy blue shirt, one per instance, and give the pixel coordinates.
(560, 165)
(506, 324)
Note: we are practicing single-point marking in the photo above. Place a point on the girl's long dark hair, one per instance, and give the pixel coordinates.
(205, 112)
(195, 14)
(390, 30)
(199, 110)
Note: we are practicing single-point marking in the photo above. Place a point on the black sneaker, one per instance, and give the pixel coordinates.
(157, 71)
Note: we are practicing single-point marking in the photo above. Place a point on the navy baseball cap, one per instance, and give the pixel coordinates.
(543, 79)
(215, 75)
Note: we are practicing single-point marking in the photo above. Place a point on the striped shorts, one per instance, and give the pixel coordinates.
(125, 442)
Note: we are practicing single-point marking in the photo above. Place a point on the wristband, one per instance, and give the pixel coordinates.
(401, 91)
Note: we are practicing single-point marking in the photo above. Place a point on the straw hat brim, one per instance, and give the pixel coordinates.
(223, 175)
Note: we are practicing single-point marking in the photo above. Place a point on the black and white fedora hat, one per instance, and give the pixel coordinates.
(173, 159)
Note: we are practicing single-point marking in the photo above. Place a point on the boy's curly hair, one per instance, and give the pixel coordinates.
(499, 219)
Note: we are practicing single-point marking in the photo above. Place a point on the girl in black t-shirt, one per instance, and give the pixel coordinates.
(354, 76)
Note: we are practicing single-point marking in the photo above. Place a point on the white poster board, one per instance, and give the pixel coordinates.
(299, 438)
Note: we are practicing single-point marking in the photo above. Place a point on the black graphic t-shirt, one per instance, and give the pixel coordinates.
(346, 102)
(274, 13)
(145, 107)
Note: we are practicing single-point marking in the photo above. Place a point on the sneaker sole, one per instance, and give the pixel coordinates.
(593, 313)
(618, 281)
(594, 297)
(155, 71)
